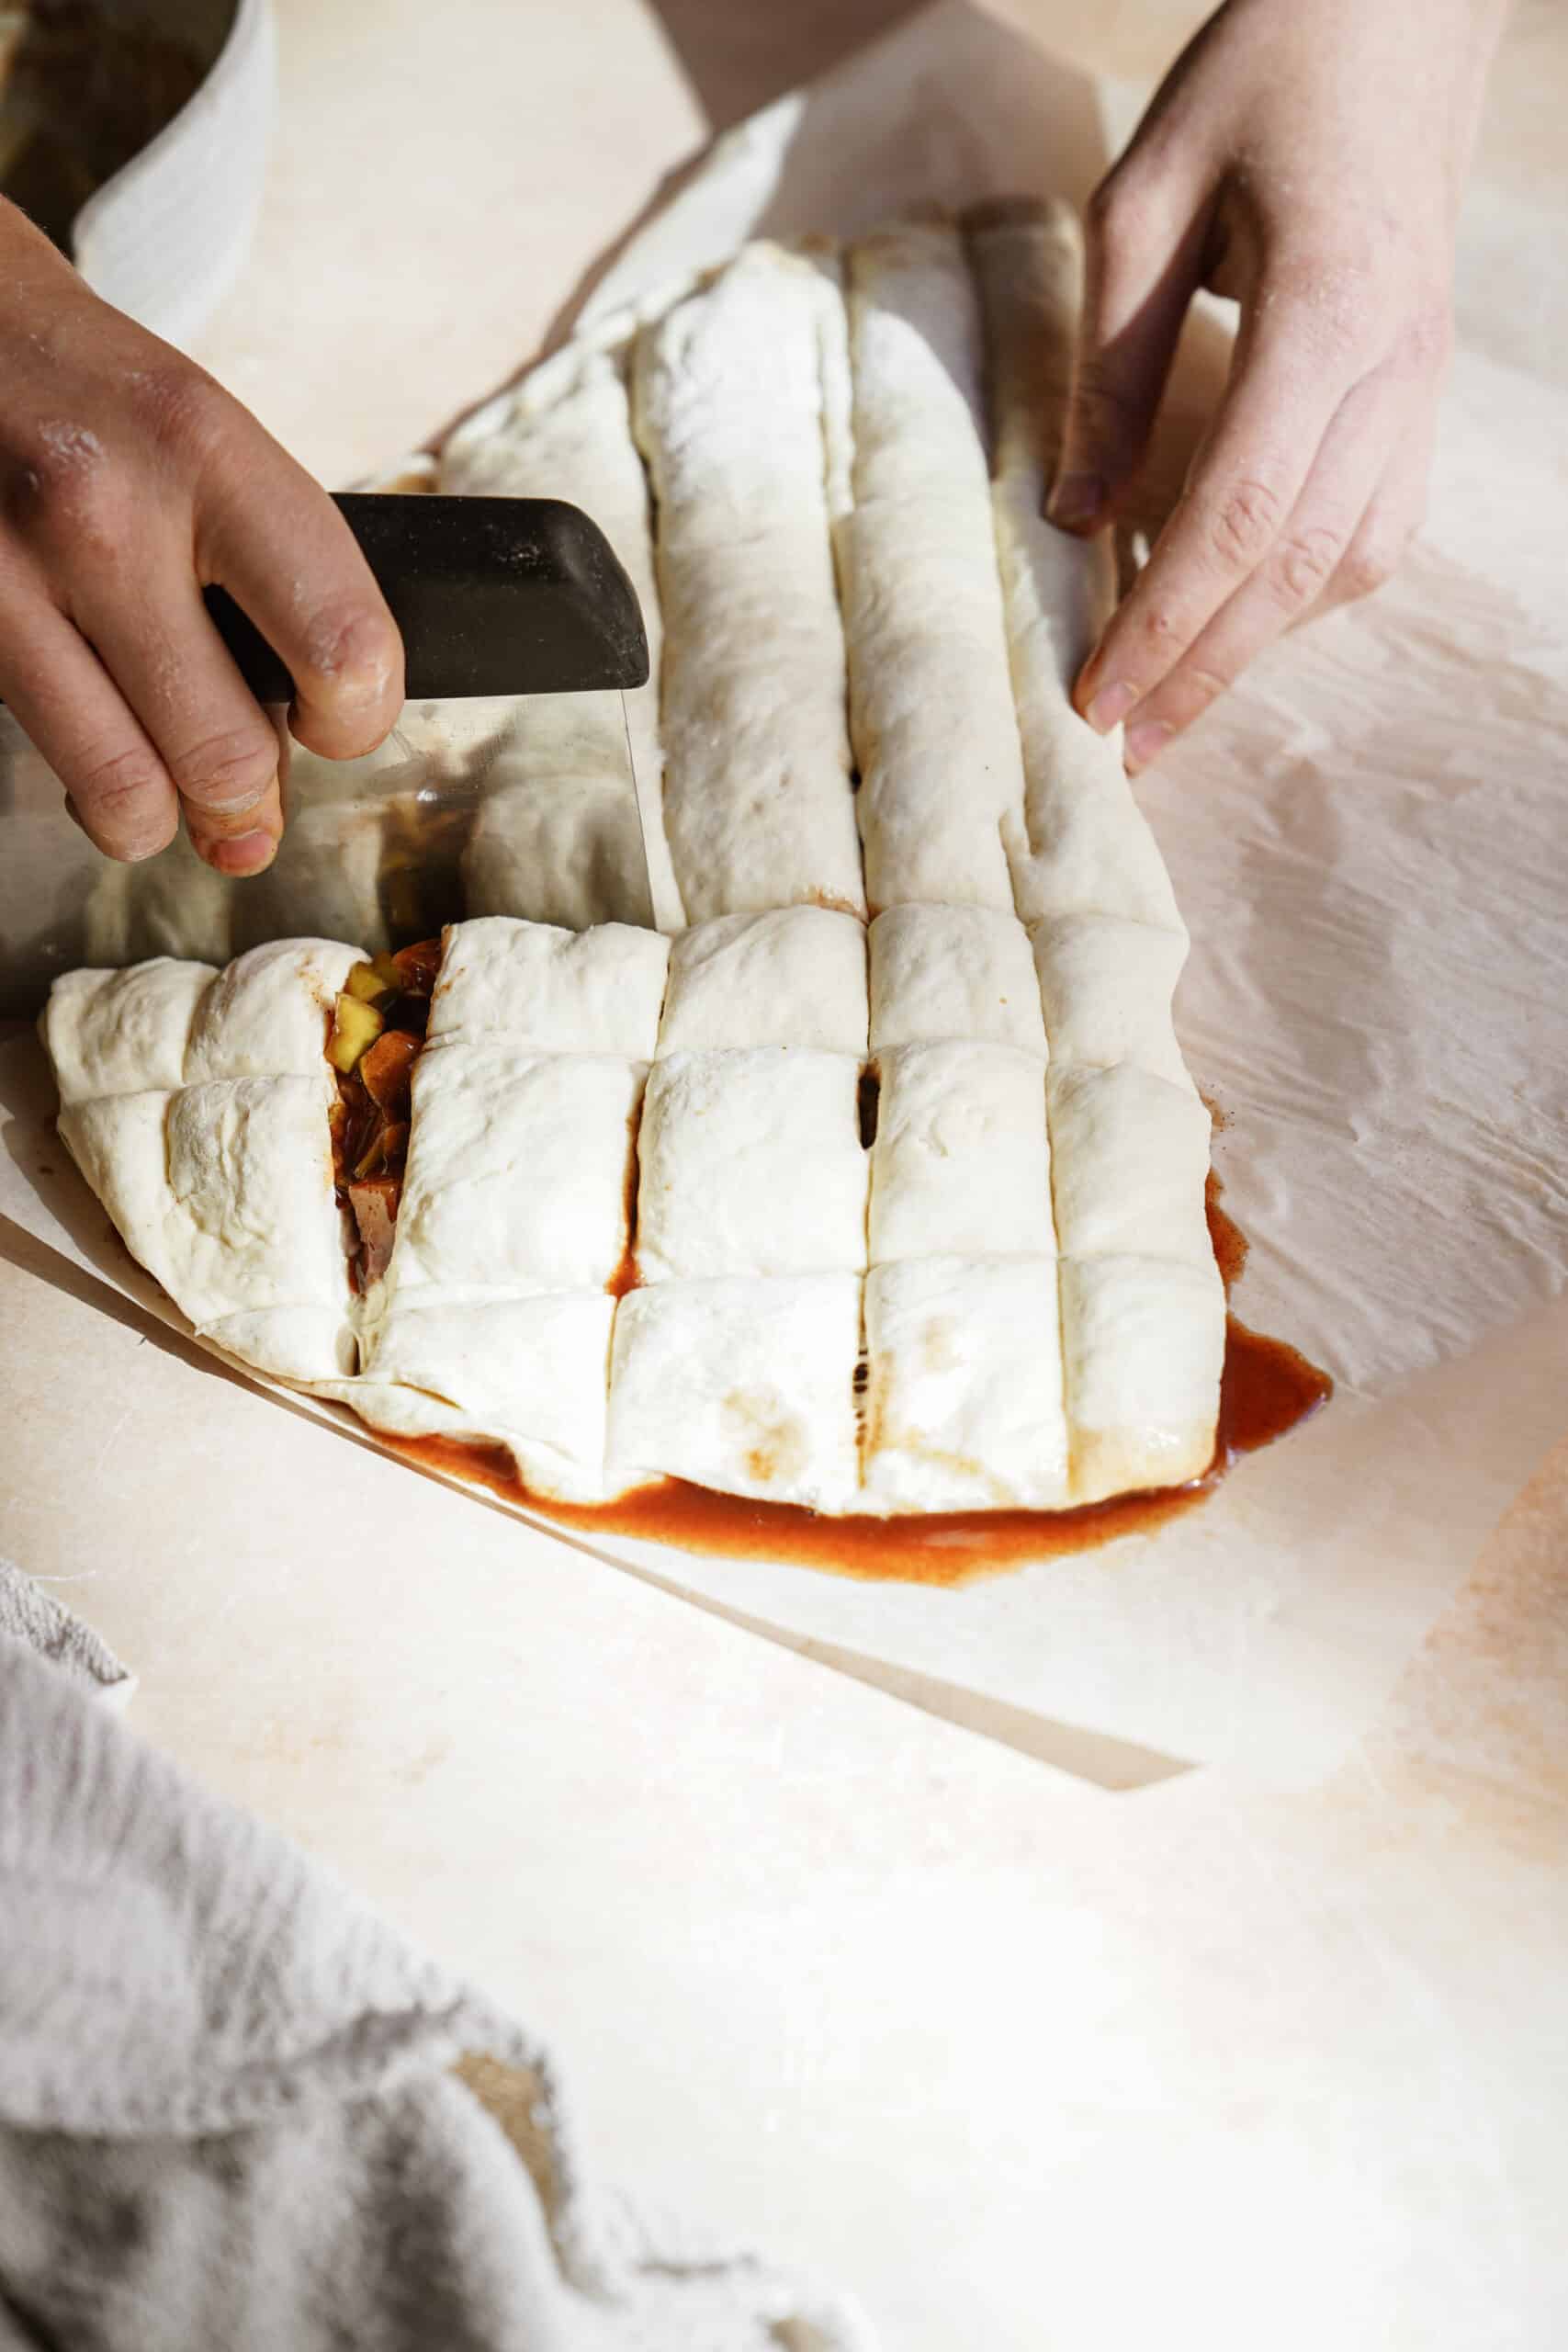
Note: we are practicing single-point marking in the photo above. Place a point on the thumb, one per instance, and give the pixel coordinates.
(1139, 276)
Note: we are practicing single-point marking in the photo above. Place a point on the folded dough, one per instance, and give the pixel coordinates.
(932, 711)
(1144, 1342)
(940, 972)
(267, 1014)
(964, 1402)
(223, 1192)
(122, 1033)
(744, 1386)
(195, 1105)
(961, 1165)
(751, 1163)
(732, 395)
(528, 1372)
(1079, 843)
(553, 991)
(793, 977)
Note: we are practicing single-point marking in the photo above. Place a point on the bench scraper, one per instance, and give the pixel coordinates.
(500, 602)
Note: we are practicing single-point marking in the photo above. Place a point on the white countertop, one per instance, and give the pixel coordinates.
(1024, 2062)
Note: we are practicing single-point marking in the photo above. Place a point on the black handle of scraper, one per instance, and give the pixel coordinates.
(490, 595)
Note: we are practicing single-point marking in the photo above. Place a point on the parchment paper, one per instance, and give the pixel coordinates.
(1370, 841)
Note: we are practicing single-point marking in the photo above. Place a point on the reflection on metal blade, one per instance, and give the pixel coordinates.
(522, 806)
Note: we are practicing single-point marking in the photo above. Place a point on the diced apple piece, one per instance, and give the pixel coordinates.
(366, 983)
(386, 971)
(355, 1026)
(384, 1072)
(419, 967)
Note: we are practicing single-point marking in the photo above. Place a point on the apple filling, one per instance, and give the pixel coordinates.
(377, 1031)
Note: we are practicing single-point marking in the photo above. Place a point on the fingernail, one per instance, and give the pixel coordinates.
(1109, 707)
(242, 853)
(1075, 500)
(1144, 743)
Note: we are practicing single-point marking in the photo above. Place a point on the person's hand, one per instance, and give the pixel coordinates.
(129, 480)
(1304, 156)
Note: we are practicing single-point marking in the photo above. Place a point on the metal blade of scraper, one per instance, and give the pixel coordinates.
(510, 610)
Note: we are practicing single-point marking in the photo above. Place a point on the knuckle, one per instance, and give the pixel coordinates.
(1163, 628)
(121, 795)
(351, 645)
(1337, 299)
(60, 478)
(1427, 342)
(1104, 403)
(1245, 519)
(1308, 562)
(184, 412)
(1201, 686)
(1368, 566)
(236, 766)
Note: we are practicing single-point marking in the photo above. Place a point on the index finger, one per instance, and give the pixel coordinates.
(1283, 393)
(271, 536)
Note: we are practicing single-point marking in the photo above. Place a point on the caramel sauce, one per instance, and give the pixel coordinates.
(625, 1277)
(1267, 1389)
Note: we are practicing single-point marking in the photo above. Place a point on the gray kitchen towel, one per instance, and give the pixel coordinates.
(238, 2112)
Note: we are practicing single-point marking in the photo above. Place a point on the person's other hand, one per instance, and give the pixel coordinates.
(129, 480)
(1306, 157)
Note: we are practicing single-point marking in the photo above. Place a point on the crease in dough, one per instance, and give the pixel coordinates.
(732, 392)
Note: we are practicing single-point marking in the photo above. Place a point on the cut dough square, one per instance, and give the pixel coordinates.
(751, 1163)
(748, 1386)
(224, 1193)
(550, 991)
(1143, 1343)
(123, 1033)
(793, 977)
(1106, 987)
(961, 1165)
(964, 1402)
(1131, 1156)
(267, 1014)
(939, 972)
(531, 1373)
(518, 1170)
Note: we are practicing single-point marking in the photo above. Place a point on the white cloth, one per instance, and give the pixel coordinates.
(238, 2114)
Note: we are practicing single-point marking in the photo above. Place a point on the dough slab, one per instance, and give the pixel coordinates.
(892, 1140)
